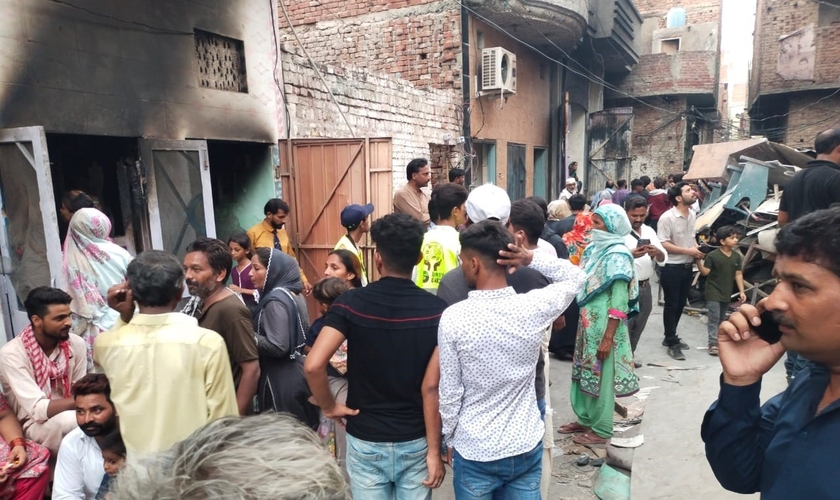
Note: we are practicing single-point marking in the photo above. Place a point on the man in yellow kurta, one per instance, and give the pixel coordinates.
(355, 220)
(168, 376)
(271, 233)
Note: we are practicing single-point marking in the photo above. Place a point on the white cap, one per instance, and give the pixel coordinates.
(570, 180)
(488, 202)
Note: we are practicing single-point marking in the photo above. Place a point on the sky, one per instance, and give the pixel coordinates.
(737, 36)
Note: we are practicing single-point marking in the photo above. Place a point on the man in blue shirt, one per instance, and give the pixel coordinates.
(786, 448)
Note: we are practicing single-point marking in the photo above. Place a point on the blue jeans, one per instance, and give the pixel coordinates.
(541, 407)
(383, 471)
(717, 313)
(512, 478)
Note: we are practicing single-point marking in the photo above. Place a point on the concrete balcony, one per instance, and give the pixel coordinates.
(615, 27)
(683, 73)
(563, 22)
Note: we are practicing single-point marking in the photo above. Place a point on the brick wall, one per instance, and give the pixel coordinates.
(658, 137)
(394, 67)
(697, 11)
(662, 74)
(416, 41)
(776, 18)
(376, 105)
(805, 124)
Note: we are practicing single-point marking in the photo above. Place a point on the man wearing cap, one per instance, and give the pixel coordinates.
(569, 190)
(492, 202)
(355, 220)
(410, 199)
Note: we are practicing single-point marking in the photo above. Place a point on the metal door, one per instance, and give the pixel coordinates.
(320, 178)
(30, 248)
(180, 198)
(516, 171)
(610, 142)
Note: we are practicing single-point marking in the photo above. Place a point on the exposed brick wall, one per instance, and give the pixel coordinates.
(376, 105)
(312, 11)
(805, 124)
(776, 18)
(662, 74)
(394, 67)
(697, 11)
(416, 41)
(658, 137)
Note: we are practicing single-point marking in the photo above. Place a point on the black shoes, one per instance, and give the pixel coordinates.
(682, 344)
(676, 352)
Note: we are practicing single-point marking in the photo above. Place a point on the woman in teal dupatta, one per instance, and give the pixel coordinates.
(603, 362)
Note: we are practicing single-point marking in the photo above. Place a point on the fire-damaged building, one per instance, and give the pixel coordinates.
(165, 111)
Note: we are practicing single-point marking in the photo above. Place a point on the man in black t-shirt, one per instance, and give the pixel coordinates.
(393, 371)
(816, 187)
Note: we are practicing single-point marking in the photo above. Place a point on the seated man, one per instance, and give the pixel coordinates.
(38, 368)
(169, 375)
(79, 470)
(784, 448)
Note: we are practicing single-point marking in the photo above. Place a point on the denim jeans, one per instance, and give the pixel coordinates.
(512, 478)
(676, 281)
(384, 471)
(717, 313)
(541, 406)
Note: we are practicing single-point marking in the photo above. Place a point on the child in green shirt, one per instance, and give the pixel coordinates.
(721, 267)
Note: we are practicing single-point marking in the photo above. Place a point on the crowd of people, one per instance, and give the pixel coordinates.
(125, 383)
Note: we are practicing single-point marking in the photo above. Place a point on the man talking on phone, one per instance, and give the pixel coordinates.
(785, 448)
(646, 248)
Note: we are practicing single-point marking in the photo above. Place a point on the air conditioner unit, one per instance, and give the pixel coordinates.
(498, 71)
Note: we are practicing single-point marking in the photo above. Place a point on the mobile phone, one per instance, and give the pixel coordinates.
(768, 330)
(643, 242)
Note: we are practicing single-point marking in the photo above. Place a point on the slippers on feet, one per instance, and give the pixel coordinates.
(572, 428)
(589, 438)
(713, 350)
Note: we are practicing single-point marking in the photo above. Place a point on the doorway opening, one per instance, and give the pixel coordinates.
(101, 167)
(242, 178)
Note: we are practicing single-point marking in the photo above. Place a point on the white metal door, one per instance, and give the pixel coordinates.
(179, 194)
(30, 248)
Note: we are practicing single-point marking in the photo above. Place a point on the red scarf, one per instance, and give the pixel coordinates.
(48, 372)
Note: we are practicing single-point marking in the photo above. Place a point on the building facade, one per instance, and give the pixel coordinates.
(795, 81)
(673, 90)
(165, 111)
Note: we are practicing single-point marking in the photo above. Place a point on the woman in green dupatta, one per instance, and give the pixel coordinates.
(603, 362)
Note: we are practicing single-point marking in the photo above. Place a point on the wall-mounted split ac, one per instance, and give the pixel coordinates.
(498, 72)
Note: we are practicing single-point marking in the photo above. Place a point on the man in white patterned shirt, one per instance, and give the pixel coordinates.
(489, 346)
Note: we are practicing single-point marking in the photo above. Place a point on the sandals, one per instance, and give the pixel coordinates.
(713, 350)
(572, 428)
(589, 438)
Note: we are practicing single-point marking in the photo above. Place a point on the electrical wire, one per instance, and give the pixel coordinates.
(288, 119)
(315, 67)
(803, 108)
(593, 79)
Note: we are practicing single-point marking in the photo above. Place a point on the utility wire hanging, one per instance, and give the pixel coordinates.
(315, 67)
(593, 78)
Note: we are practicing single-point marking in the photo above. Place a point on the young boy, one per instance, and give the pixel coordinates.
(721, 267)
(325, 292)
(113, 458)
